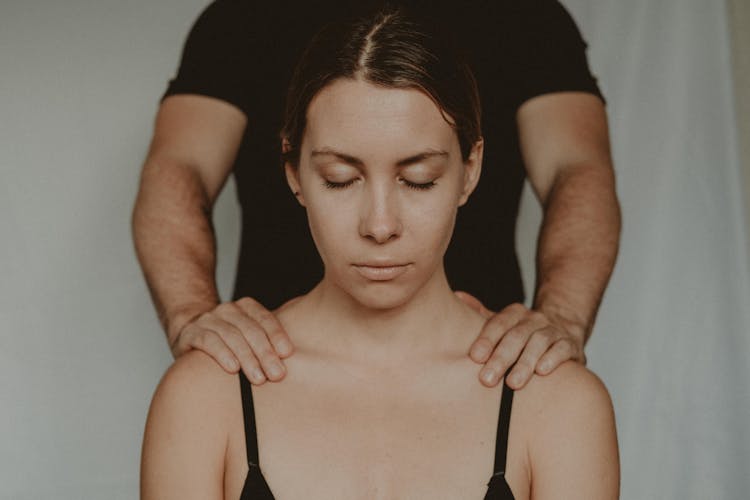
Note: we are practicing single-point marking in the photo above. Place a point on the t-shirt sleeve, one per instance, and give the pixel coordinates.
(217, 55)
(548, 53)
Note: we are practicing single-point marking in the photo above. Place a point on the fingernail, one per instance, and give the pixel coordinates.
(283, 347)
(488, 376)
(516, 378)
(275, 370)
(231, 363)
(257, 375)
(544, 366)
(480, 351)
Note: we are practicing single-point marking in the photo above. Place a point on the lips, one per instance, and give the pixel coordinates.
(381, 271)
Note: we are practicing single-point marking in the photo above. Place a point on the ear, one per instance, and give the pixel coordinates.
(472, 171)
(292, 174)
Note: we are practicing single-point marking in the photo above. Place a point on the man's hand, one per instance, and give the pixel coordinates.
(532, 340)
(237, 334)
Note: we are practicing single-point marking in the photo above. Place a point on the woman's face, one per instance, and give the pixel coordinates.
(381, 177)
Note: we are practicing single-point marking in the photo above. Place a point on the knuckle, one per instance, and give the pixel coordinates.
(199, 339)
(561, 352)
(518, 335)
(264, 316)
(252, 331)
(236, 342)
(565, 343)
(537, 317)
(544, 336)
(187, 331)
(202, 319)
(223, 308)
(247, 302)
(237, 330)
(500, 325)
(518, 308)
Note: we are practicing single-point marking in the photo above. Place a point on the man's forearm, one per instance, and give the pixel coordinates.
(175, 243)
(577, 247)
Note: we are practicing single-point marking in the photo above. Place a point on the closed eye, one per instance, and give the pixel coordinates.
(338, 185)
(412, 185)
(419, 186)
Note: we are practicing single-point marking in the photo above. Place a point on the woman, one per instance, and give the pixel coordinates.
(381, 144)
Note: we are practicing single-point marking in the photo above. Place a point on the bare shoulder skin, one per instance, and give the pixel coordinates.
(194, 423)
(566, 421)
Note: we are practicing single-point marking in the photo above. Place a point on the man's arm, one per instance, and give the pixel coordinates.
(565, 145)
(565, 142)
(194, 145)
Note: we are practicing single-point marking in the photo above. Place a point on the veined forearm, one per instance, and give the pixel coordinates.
(175, 243)
(577, 247)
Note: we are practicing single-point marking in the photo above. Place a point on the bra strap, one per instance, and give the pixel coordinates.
(248, 412)
(503, 425)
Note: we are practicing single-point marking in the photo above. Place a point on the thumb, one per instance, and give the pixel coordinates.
(474, 303)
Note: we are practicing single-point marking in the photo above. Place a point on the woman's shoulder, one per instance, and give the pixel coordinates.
(567, 422)
(570, 393)
(569, 380)
(196, 364)
(196, 384)
(187, 431)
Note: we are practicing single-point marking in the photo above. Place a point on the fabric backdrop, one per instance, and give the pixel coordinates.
(81, 350)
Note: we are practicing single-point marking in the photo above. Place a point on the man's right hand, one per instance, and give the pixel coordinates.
(236, 334)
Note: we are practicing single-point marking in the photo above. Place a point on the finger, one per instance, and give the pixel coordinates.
(557, 354)
(269, 322)
(509, 349)
(253, 342)
(235, 340)
(474, 303)
(210, 342)
(494, 330)
(538, 344)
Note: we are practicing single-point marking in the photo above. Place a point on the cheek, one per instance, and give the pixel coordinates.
(436, 228)
(330, 226)
(430, 223)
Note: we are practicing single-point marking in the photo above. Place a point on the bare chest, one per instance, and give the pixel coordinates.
(335, 440)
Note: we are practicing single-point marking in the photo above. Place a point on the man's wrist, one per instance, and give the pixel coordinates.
(566, 318)
(179, 317)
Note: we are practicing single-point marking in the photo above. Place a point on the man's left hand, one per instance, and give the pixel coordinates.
(533, 340)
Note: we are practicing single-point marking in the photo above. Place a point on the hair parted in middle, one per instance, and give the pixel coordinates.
(389, 48)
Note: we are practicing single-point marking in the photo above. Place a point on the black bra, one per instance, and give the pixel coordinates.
(256, 487)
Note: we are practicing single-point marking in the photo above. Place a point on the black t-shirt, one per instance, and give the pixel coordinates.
(244, 52)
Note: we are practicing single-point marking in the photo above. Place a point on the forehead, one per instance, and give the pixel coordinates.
(361, 117)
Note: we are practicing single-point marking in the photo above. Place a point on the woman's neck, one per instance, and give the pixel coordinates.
(432, 323)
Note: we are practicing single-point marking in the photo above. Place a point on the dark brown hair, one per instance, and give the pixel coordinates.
(390, 49)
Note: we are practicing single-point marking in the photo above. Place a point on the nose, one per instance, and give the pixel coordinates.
(380, 219)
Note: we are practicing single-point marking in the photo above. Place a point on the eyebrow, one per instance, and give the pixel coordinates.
(405, 162)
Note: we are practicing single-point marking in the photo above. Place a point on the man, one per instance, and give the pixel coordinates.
(542, 110)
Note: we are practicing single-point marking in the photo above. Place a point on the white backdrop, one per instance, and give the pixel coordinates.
(80, 347)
